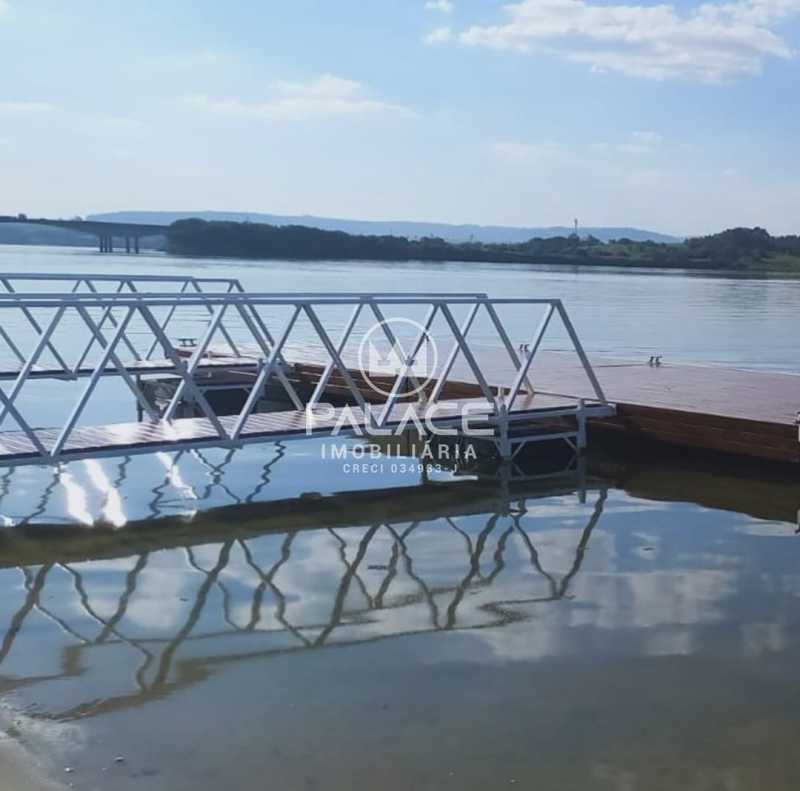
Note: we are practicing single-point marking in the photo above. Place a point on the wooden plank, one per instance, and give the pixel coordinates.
(635, 412)
(127, 436)
(713, 438)
(742, 412)
(724, 392)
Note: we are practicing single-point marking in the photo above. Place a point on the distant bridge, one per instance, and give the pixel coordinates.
(106, 232)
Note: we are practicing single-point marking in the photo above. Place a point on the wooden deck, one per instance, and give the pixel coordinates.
(737, 412)
(141, 437)
(744, 413)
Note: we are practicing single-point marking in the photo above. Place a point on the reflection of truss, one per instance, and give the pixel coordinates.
(116, 485)
(184, 497)
(385, 608)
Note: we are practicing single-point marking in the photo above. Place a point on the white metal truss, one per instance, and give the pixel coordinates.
(95, 283)
(254, 341)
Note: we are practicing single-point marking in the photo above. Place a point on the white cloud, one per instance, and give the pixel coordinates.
(3, 6)
(439, 36)
(21, 108)
(640, 143)
(445, 6)
(326, 96)
(326, 86)
(712, 42)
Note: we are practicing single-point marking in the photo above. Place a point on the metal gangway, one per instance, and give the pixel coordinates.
(137, 331)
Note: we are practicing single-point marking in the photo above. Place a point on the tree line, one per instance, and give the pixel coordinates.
(740, 248)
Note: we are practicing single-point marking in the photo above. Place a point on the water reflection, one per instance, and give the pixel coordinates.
(143, 625)
(116, 491)
(564, 632)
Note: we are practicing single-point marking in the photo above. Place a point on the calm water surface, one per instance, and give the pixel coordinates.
(265, 619)
(734, 321)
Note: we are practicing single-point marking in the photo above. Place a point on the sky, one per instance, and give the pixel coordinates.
(682, 118)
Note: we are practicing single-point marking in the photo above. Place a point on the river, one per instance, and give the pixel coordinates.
(265, 619)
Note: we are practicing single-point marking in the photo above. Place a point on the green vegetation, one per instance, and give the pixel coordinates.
(740, 248)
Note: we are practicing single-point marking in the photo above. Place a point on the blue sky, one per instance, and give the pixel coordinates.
(681, 118)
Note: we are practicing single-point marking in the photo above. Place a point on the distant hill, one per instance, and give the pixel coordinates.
(497, 234)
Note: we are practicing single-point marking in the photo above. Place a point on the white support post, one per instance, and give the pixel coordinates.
(503, 441)
(581, 417)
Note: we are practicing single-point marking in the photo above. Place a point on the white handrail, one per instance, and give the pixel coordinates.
(120, 309)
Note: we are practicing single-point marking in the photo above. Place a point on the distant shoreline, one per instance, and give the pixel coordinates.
(738, 249)
(579, 264)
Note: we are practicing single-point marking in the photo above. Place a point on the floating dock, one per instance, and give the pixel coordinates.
(742, 413)
(735, 412)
